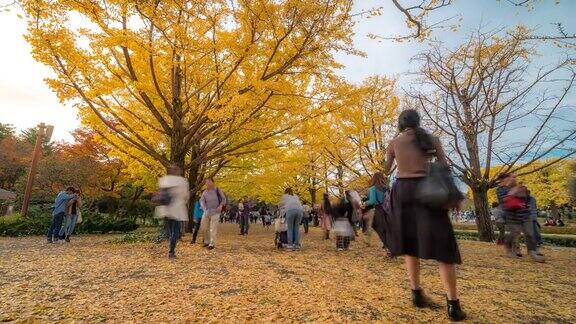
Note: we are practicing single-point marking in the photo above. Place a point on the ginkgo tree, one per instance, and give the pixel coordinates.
(494, 108)
(331, 153)
(191, 83)
(352, 141)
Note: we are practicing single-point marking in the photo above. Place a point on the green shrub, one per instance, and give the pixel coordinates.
(569, 229)
(16, 225)
(551, 239)
(560, 240)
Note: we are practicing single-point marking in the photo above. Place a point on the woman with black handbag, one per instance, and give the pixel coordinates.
(417, 230)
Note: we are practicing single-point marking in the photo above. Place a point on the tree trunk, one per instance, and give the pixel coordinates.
(137, 193)
(340, 176)
(325, 178)
(313, 191)
(194, 179)
(483, 221)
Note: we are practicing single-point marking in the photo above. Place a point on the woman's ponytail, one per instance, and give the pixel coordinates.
(411, 119)
(424, 140)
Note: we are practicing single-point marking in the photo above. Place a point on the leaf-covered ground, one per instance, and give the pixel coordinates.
(247, 280)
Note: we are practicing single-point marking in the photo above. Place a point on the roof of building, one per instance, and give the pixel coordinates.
(7, 195)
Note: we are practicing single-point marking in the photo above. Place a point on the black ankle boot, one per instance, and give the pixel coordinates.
(455, 312)
(418, 299)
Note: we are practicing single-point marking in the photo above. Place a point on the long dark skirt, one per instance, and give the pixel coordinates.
(379, 224)
(417, 230)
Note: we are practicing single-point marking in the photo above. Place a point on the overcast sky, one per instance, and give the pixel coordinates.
(25, 100)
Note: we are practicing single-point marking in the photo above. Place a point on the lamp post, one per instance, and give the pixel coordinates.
(43, 133)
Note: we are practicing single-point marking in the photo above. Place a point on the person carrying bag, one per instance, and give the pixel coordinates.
(419, 226)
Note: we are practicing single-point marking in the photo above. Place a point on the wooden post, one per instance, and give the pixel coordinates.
(41, 135)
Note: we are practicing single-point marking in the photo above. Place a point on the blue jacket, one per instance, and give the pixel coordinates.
(60, 202)
(198, 212)
(375, 196)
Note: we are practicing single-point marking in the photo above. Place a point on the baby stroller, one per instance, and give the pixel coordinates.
(281, 230)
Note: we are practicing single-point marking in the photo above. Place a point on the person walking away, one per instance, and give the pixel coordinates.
(498, 216)
(244, 210)
(72, 213)
(212, 201)
(267, 218)
(294, 213)
(416, 230)
(197, 218)
(513, 200)
(306, 217)
(325, 217)
(534, 218)
(174, 207)
(343, 214)
(374, 205)
(263, 216)
(518, 216)
(314, 216)
(62, 201)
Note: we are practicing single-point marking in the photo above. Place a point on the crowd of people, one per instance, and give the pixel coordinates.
(406, 224)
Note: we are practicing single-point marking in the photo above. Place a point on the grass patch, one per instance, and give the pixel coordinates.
(132, 238)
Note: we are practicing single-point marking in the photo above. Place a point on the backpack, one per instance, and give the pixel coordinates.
(513, 203)
(220, 198)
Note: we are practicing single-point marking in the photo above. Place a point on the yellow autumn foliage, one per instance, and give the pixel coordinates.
(192, 83)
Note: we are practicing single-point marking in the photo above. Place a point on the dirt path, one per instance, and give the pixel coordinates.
(245, 279)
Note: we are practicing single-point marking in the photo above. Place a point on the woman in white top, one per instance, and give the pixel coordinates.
(294, 213)
(176, 210)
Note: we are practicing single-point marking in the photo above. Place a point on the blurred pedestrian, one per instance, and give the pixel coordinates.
(324, 216)
(212, 201)
(374, 205)
(534, 218)
(344, 213)
(498, 216)
(244, 214)
(294, 213)
(172, 198)
(514, 202)
(197, 218)
(63, 200)
(72, 213)
(306, 217)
